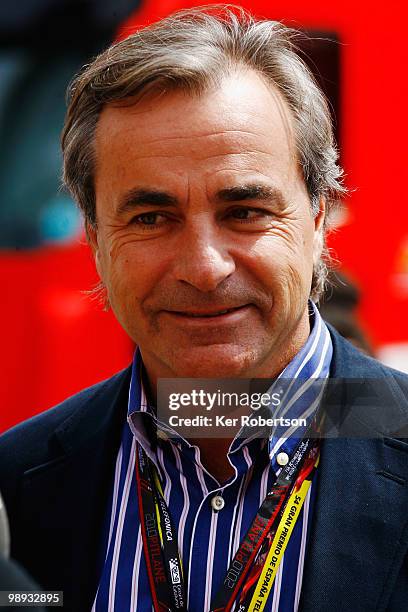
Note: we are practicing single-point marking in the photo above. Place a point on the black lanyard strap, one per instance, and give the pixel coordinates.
(150, 529)
(168, 538)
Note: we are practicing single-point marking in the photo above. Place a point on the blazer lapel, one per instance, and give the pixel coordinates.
(66, 498)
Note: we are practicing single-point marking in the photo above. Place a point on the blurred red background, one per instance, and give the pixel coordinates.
(56, 340)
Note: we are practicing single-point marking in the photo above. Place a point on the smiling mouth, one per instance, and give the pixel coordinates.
(207, 315)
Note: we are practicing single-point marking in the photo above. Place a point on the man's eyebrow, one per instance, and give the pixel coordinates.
(250, 192)
(140, 197)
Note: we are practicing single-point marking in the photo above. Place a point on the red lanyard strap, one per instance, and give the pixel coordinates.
(266, 520)
(271, 551)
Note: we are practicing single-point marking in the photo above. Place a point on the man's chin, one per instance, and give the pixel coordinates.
(215, 361)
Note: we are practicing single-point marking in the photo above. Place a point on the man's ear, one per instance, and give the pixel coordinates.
(99, 292)
(318, 240)
(92, 237)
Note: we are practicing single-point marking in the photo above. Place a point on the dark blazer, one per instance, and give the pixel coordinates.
(56, 471)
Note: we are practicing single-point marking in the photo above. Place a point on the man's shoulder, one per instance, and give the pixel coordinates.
(28, 442)
(365, 396)
(348, 361)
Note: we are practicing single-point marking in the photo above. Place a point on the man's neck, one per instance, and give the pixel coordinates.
(214, 457)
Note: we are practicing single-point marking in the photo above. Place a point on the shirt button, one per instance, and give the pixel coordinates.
(217, 503)
(282, 458)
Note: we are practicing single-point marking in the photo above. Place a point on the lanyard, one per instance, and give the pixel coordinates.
(165, 571)
(260, 580)
(261, 549)
(271, 512)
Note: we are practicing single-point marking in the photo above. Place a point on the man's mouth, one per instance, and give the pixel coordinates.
(207, 313)
(210, 318)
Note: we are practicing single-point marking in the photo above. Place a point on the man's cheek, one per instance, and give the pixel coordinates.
(298, 277)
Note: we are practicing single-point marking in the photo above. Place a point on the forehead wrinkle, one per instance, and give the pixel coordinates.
(230, 154)
(181, 155)
(223, 149)
(205, 157)
(193, 136)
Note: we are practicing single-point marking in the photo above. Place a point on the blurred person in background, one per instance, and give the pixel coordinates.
(35, 212)
(13, 579)
(338, 307)
(200, 151)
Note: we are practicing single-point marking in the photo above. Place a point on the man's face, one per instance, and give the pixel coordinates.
(205, 238)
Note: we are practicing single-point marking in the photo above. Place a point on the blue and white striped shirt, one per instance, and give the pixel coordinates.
(207, 539)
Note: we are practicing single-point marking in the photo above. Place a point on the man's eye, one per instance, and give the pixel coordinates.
(151, 219)
(247, 214)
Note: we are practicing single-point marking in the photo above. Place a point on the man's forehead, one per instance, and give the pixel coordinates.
(239, 133)
(243, 106)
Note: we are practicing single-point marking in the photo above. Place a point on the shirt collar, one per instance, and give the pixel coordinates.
(304, 380)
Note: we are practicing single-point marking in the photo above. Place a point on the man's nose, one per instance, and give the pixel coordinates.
(203, 259)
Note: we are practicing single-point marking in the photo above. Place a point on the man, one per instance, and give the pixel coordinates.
(200, 151)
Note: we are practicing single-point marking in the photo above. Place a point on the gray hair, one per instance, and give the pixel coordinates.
(193, 50)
